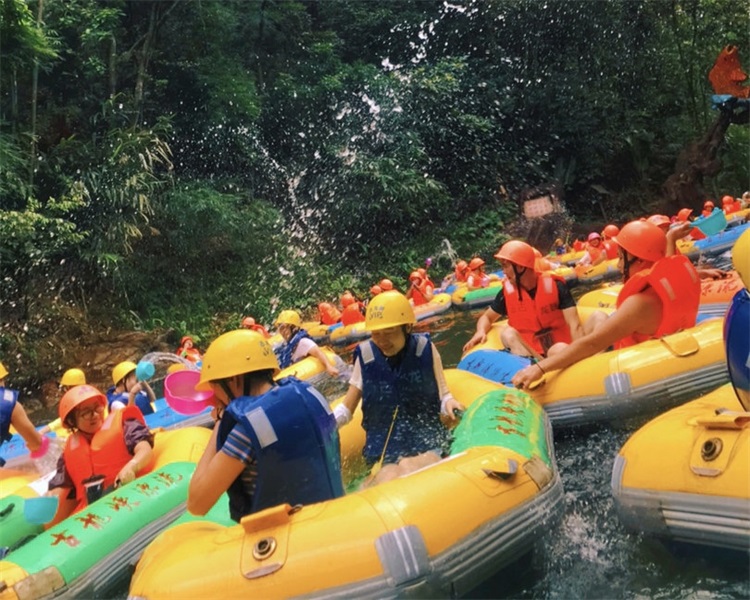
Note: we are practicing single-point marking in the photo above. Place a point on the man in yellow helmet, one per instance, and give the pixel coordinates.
(398, 376)
(297, 342)
(128, 390)
(274, 442)
(70, 378)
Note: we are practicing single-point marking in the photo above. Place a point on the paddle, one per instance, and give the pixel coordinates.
(40, 510)
(379, 465)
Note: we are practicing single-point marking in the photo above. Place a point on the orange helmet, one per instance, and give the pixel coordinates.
(415, 276)
(184, 339)
(475, 263)
(611, 231)
(727, 200)
(76, 396)
(659, 220)
(375, 290)
(248, 322)
(642, 239)
(347, 299)
(594, 236)
(517, 252)
(683, 214)
(422, 272)
(709, 204)
(461, 266)
(386, 284)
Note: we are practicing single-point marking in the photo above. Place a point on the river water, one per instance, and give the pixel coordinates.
(589, 554)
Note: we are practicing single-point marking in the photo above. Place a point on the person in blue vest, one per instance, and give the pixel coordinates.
(297, 343)
(13, 413)
(398, 376)
(737, 325)
(274, 442)
(128, 390)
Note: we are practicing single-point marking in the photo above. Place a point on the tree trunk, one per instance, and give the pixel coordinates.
(684, 188)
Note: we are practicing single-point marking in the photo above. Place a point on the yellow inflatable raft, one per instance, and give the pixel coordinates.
(438, 532)
(685, 475)
(647, 377)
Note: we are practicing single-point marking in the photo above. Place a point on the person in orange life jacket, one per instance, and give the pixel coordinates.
(273, 442)
(353, 309)
(660, 296)
(476, 277)
(128, 390)
(297, 342)
(610, 247)
(425, 276)
(420, 291)
(461, 271)
(398, 376)
(541, 311)
(386, 285)
(677, 232)
(579, 243)
(595, 252)
(101, 452)
(328, 314)
(249, 323)
(708, 208)
(187, 350)
(730, 205)
(13, 413)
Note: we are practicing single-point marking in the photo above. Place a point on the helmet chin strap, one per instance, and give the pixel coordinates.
(517, 275)
(225, 386)
(626, 262)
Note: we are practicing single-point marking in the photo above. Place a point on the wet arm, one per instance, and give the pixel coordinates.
(25, 428)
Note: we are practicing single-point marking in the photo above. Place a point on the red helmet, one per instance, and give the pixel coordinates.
(683, 214)
(517, 252)
(248, 322)
(185, 338)
(594, 236)
(76, 396)
(611, 231)
(347, 299)
(415, 276)
(709, 204)
(475, 263)
(643, 239)
(727, 200)
(375, 290)
(386, 284)
(461, 266)
(659, 220)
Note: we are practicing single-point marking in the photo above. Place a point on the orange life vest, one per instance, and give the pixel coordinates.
(610, 248)
(106, 454)
(329, 314)
(419, 293)
(539, 321)
(352, 314)
(677, 284)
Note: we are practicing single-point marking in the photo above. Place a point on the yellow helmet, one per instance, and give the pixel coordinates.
(122, 370)
(236, 353)
(174, 367)
(289, 317)
(389, 309)
(3, 371)
(741, 257)
(73, 377)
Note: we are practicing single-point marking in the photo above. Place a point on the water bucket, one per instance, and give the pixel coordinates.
(713, 223)
(144, 371)
(181, 395)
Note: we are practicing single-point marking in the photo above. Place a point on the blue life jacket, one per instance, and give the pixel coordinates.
(287, 349)
(737, 343)
(141, 400)
(8, 399)
(296, 445)
(413, 389)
